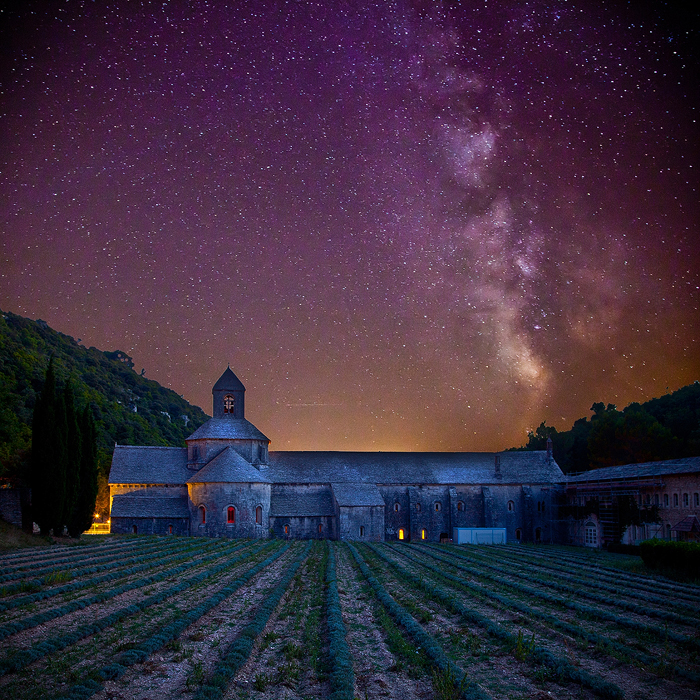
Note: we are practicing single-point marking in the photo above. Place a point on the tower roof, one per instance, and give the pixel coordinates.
(228, 381)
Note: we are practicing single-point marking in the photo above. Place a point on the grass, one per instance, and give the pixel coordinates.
(12, 537)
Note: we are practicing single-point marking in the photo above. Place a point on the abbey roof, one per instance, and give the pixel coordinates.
(228, 381)
(227, 467)
(149, 465)
(227, 429)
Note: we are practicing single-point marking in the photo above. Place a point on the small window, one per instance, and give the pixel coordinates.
(134, 529)
(538, 534)
(511, 506)
(543, 504)
(656, 499)
(686, 500)
(362, 530)
(229, 403)
(539, 506)
(438, 505)
(647, 499)
(286, 529)
(320, 528)
(258, 515)
(518, 535)
(230, 515)
(675, 500)
(401, 535)
(666, 500)
(696, 499)
(397, 507)
(202, 515)
(460, 506)
(170, 529)
(422, 534)
(418, 507)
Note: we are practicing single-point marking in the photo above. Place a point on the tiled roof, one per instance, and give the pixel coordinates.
(644, 470)
(688, 524)
(228, 380)
(227, 467)
(354, 494)
(410, 467)
(149, 465)
(290, 501)
(227, 429)
(127, 505)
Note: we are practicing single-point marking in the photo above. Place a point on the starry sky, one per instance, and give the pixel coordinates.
(406, 225)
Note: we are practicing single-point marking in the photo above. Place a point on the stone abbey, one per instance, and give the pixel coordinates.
(227, 483)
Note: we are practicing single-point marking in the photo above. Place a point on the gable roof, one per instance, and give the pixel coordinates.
(410, 467)
(127, 505)
(291, 502)
(354, 494)
(227, 467)
(644, 470)
(228, 380)
(228, 428)
(149, 465)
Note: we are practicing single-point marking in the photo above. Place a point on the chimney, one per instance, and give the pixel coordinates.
(549, 449)
(497, 473)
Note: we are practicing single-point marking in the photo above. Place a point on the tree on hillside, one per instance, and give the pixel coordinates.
(48, 465)
(64, 461)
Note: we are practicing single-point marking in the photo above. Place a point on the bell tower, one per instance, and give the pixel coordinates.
(228, 396)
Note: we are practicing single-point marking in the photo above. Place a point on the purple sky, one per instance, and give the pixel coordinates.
(406, 226)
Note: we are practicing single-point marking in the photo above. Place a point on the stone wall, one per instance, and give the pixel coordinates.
(216, 499)
(15, 507)
(150, 526)
(361, 523)
(304, 527)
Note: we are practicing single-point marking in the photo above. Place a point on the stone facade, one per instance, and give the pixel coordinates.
(226, 483)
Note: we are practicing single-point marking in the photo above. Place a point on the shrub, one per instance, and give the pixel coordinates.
(680, 557)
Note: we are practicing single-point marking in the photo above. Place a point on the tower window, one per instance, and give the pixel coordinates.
(229, 403)
(397, 507)
(202, 515)
(230, 515)
(438, 505)
(258, 515)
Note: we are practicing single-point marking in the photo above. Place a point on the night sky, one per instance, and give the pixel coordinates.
(406, 226)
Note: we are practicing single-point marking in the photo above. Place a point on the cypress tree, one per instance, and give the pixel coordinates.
(87, 495)
(72, 456)
(47, 466)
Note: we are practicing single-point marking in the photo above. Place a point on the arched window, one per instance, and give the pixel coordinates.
(229, 403)
(460, 506)
(320, 528)
(397, 507)
(518, 535)
(696, 499)
(422, 534)
(134, 529)
(675, 500)
(230, 515)
(258, 515)
(401, 535)
(686, 500)
(591, 535)
(538, 534)
(666, 500)
(362, 530)
(170, 529)
(286, 529)
(202, 515)
(438, 505)
(511, 506)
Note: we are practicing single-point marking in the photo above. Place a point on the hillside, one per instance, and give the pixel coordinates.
(663, 428)
(128, 408)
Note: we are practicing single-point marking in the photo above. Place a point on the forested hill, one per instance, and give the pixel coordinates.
(659, 429)
(128, 408)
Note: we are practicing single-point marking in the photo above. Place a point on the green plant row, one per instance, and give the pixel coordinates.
(238, 652)
(682, 557)
(28, 622)
(602, 642)
(83, 571)
(610, 582)
(688, 591)
(584, 592)
(596, 613)
(342, 676)
(37, 651)
(165, 634)
(76, 554)
(560, 668)
(58, 564)
(422, 639)
(20, 558)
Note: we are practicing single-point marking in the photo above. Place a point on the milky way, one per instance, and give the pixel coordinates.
(406, 226)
